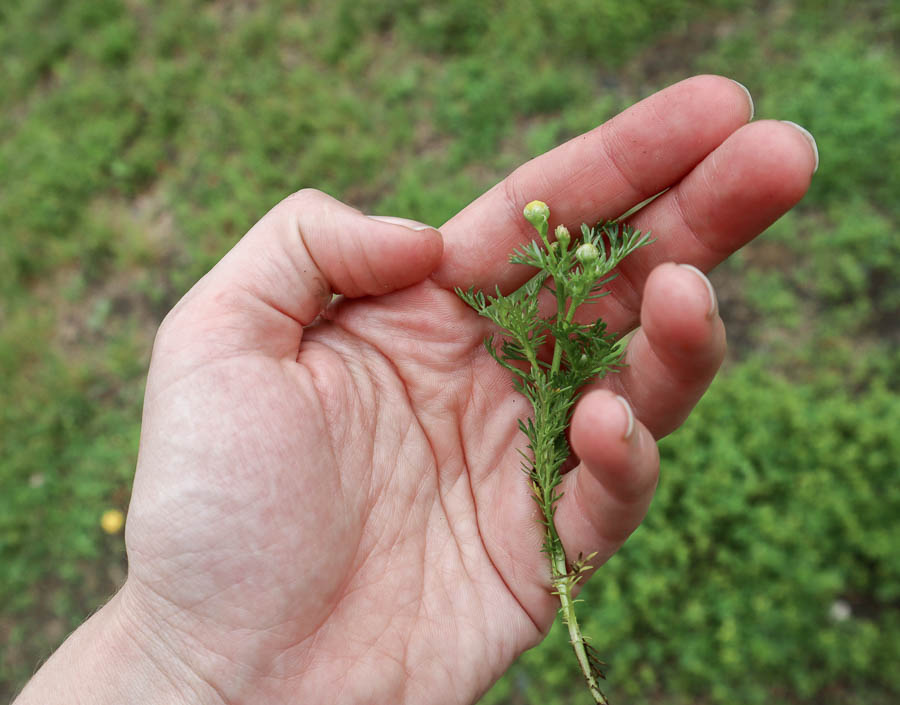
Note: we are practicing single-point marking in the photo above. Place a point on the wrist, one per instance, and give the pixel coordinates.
(115, 657)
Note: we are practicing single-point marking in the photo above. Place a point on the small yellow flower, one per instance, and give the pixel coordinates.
(112, 521)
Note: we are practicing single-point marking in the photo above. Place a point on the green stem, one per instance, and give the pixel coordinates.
(562, 579)
(557, 348)
(563, 583)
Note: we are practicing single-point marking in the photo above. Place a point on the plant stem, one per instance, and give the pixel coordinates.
(563, 583)
(557, 348)
(562, 579)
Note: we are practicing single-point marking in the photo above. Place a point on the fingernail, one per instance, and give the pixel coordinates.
(629, 428)
(809, 138)
(749, 99)
(713, 302)
(405, 222)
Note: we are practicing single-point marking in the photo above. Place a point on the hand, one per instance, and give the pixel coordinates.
(329, 505)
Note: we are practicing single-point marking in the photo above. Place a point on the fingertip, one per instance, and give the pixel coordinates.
(432, 247)
(614, 447)
(405, 251)
(603, 429)
(426, 246)
(629, 417)
(731, 97)
(677, 350)
(783, 149)
(425, 252)
(748, 97)
(679, 314)
(713, 303)
(607, 495)
(403, 222)
(810, 140)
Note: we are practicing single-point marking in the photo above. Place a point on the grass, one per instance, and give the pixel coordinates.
(140, 142)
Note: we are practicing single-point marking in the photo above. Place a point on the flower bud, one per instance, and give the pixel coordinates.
(537, 213)
(587, 253)
(562, 236)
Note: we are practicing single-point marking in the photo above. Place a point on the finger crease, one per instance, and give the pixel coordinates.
(617, 163)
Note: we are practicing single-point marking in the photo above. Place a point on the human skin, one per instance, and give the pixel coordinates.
(328, 505)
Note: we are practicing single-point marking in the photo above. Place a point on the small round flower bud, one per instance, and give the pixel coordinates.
(562, 236)
(587, 253)
(536, 213)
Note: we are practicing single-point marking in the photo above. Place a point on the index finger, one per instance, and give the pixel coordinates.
(596, 176)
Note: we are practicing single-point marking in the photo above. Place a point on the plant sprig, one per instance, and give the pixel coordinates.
(574, 273)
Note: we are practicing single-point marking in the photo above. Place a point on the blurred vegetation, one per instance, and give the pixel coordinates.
(140, 140)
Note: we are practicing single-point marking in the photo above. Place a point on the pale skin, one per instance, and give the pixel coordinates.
(329, 506)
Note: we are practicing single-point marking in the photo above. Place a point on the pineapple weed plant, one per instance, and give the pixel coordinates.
(575, 273)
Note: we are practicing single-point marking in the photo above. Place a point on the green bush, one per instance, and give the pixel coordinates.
(842, 92)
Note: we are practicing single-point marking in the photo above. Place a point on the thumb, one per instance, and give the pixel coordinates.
(283, 272)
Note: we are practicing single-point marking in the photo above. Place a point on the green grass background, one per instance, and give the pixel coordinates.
(139, 140)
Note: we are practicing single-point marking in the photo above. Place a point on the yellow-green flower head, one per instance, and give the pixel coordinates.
(587, 253)
(112, 521)
(562, 236)
(537, 213)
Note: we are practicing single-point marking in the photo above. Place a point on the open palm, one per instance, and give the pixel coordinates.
(329, 505)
